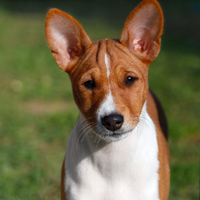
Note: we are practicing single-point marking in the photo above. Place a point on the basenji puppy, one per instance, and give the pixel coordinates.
(118, 149)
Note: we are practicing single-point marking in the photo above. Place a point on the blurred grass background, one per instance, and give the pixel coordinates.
(37, 111)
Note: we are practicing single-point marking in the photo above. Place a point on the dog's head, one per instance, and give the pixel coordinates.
(109, 77)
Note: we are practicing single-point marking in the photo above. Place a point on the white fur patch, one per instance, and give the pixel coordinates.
(127, 169)
(107, 107)
(107, 65)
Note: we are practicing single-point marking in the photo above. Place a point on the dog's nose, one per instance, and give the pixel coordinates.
(113, 121)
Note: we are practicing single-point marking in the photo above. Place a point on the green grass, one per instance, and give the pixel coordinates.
(37, 111)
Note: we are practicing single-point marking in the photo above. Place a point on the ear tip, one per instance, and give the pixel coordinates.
(146, 3)
(56, 12)
(50, 14)
(151, 1)
(155, 2)
(157, 8)
(53, 11)
(53, 15)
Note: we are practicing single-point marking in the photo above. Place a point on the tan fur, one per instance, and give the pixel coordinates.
(130, 56)
(89, 101)
(163, 155)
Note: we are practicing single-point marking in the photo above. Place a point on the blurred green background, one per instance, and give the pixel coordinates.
(37, 111)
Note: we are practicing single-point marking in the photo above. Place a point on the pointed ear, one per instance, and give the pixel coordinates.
(66, 38)
(143, 29)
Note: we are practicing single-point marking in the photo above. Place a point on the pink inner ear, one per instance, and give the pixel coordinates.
(141, 39)
(73, 52)
(139, 45)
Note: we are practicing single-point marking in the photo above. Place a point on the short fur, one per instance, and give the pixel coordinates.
(128, 159)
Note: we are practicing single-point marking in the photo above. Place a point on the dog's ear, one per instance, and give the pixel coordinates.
(143, 29)
(66, 38)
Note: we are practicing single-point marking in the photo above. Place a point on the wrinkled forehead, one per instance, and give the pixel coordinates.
(108, 52)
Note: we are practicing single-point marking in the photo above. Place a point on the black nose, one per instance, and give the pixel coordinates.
(113, 121)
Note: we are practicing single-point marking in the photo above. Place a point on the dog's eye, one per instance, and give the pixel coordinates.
(89, 85)
(129, 80)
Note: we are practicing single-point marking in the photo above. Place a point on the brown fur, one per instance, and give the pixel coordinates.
(130, 56)
(163, 155)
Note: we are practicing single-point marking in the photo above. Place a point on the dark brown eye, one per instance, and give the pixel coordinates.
(129, 80)
(89, 85)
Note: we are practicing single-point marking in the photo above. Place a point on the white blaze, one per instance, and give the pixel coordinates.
(107, 65)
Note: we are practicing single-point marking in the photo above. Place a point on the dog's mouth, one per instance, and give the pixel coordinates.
(116, 134)
(110, 136)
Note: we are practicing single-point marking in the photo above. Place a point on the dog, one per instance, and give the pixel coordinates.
(118, 148)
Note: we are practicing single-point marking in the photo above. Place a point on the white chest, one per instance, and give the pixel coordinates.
(123, 170)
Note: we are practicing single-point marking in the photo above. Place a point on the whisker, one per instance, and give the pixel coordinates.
(145, 121)
(84, 127)
(86, 132)
(84, 121)
(99, 139)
